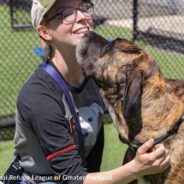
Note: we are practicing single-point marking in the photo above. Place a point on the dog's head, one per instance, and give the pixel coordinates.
(89, 50)
(120, 65)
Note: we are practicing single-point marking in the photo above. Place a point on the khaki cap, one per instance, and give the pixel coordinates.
(39, 10)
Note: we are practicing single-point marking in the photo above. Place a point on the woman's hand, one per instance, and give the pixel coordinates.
(153, 162)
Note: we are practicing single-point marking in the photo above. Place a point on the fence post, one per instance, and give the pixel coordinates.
(11, 12)
(135, 19)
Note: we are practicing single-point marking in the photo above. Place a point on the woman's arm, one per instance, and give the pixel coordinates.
(143, 164)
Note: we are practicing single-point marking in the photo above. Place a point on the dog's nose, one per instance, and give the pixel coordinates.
(89, 34)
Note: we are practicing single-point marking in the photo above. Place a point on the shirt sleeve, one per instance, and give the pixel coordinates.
(44, 110)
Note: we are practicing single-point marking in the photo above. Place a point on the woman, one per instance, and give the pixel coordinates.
(45, 138)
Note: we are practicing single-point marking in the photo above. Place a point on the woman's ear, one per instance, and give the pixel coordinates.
(43, 32)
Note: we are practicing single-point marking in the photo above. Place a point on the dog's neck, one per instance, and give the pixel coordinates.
(159, 107)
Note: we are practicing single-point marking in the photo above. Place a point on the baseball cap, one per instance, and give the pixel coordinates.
(39, 10)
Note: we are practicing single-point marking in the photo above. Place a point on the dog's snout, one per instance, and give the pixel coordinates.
(89, 35)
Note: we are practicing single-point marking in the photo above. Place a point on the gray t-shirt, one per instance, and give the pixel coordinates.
(43, 137)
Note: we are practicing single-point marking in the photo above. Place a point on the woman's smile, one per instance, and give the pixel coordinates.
(81, 30)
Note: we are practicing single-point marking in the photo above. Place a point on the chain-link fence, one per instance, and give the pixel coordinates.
(157, 26)
(159, 23)
(17, 58)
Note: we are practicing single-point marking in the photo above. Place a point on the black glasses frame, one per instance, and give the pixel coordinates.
(47, 20)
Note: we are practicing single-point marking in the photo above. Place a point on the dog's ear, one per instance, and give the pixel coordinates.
(132, 96)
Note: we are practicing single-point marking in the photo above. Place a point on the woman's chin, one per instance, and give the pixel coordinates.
(77, 40)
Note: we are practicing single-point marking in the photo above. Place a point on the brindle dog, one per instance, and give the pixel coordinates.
(142, 103)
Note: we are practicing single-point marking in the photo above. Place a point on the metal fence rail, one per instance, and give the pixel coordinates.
(156, 26)
(160, 22)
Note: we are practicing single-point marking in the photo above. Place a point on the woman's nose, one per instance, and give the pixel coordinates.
(81, 16)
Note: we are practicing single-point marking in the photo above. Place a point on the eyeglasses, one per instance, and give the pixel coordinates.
(68, 15)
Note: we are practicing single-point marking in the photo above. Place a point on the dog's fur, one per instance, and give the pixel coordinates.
(141, 102)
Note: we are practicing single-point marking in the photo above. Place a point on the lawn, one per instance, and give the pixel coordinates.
(6, 150)
(112, 157)
(171, 63)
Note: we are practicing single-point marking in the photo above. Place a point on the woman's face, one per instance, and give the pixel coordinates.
(66, 30)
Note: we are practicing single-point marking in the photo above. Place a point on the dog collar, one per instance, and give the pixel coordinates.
(169, 133)
(172, 131)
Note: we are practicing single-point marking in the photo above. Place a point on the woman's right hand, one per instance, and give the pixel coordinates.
(144, 163)
(147, 163)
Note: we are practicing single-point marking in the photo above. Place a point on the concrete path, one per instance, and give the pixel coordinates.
(166, 25)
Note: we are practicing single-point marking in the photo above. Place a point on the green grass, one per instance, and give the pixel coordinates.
(114, 150)
(171, 64)
(6, 150)
(114, 32)
(112, 157)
